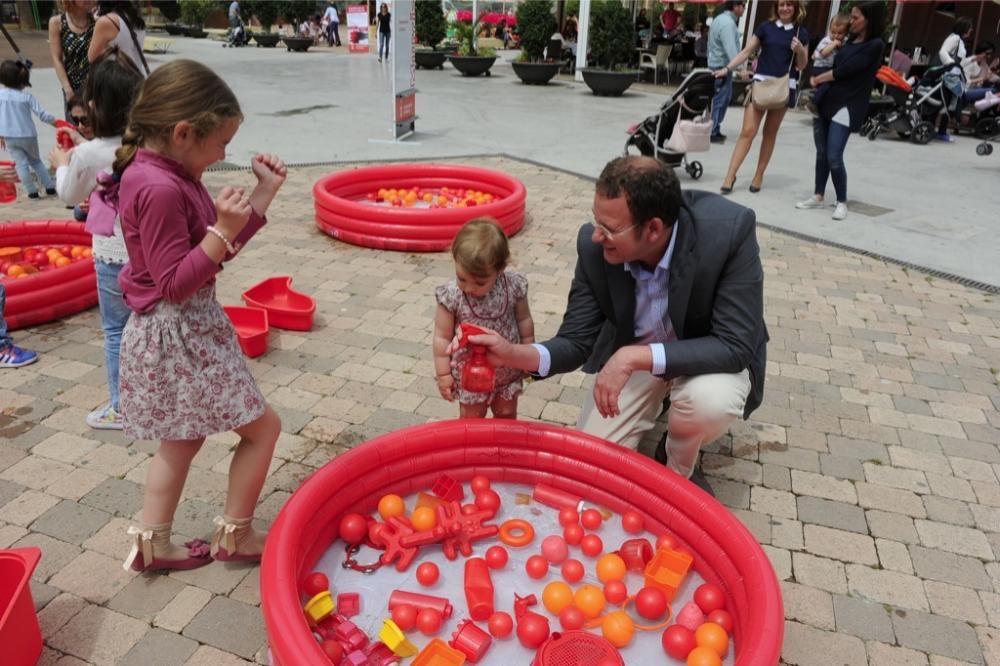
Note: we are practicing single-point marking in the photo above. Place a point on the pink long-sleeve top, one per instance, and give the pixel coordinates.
(164, 217)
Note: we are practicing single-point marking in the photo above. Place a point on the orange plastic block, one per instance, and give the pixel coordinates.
(667, 571)
(439, 653)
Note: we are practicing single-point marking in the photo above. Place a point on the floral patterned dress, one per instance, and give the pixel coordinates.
(495, 311)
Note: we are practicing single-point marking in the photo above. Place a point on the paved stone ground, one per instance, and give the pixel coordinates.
(870, 475)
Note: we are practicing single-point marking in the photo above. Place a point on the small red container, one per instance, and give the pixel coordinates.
(286, 308)
(20, 637)
(251, 326)
(8, 191)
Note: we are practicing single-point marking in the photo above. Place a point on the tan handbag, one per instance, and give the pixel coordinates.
(772, 93)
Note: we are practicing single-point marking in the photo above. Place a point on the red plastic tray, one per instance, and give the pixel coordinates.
(20, 637)
(286, 308)
(251, 328)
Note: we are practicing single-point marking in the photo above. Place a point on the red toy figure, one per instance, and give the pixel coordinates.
(478, 589)
(63, 138)
(478, 376)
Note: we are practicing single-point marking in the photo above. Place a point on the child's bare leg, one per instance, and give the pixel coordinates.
(504, 409)
(165, 479)
(476, 411)
(247, 473)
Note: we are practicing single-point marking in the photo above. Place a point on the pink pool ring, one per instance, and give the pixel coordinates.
(343, 211)
(51, 294)
(410, 460)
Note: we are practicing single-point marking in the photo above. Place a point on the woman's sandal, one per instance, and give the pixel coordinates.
(141, 558)
(224, 541)
(727, 189)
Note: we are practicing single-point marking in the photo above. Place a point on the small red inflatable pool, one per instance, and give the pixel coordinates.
(349, 208)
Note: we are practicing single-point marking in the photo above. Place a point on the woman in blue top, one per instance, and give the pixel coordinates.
(845, 102)
(782, 42)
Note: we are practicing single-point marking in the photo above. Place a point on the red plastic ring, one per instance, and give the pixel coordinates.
(527, 533)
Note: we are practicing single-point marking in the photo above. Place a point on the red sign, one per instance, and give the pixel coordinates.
(406, 108)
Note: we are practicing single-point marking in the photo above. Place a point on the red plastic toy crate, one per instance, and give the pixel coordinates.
(286, 308)
(251, 328)
(20, 637)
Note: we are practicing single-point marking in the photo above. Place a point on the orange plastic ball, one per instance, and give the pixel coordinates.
(590, 600)
(391, 506)
(712, 636)
(556, 596)
(618, 628)
(703, 656)
(424, 518)
(610, 567)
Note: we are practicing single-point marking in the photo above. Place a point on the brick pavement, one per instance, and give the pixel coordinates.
(869, 475)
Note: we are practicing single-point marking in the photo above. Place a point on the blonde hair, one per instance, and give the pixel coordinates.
(480, 247)
(800, 11)
(839, 19)
(180, 91)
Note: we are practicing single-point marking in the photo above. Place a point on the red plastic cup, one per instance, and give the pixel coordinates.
(8, 191)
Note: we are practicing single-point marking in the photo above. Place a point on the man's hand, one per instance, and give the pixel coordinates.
(615, 373)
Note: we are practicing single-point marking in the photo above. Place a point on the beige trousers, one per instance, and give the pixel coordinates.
(701, 409)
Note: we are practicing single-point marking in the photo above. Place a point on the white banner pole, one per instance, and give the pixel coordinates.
(582, 27)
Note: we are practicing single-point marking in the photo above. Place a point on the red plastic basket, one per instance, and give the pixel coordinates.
(20, 637)
(286, 308)
(251, 328)
(577, 648)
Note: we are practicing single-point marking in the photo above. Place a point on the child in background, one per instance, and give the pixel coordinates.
(826, 51)
(483, 293)
(183, 376)
(110, 88)
(17, 131)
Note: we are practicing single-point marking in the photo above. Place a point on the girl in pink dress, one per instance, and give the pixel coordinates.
(483, 293)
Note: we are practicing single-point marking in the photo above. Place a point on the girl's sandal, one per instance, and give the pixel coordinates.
(142, 558)
(224, 540)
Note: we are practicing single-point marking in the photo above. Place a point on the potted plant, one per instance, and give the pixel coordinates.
(171, 11)
(536, 24)
(469, 60)
(294, 11)
(267, 12)
(193, 12)
(611, 46)
(431, 29)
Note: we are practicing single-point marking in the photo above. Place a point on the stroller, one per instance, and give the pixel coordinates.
(688, 108)
(988, 124)
(238, 36)
(915, 108)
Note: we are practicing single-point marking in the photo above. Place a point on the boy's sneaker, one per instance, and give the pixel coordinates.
(14, 357)
(840, 212)
(944, 136)
(810, 203)
(105, 418)
(33, 195)
(51, 191)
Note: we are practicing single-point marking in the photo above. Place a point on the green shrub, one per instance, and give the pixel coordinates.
(612, 38)
(267, 13)
(464, 33)
(193, 12)
(535, 24)
(431, 26)
(169, 9)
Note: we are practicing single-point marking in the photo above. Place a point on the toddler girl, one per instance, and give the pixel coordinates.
(182, 374)
(826, 51)
(110, 89)
(485, 294)
(17, 131)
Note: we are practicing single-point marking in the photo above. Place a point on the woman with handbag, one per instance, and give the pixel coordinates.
(845, 103)
(119, 24)
(782, 42)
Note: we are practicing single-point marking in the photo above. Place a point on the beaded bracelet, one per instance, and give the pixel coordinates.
(222, 237)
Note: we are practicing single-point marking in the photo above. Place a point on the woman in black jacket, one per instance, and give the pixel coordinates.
(384, 20)
(845, 102)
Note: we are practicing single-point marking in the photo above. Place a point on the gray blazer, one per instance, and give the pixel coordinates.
(716, 299)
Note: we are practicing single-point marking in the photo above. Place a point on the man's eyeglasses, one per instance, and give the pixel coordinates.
(611, 233)
(80, 120)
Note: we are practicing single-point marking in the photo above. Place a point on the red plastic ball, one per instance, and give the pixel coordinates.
(666, 541)
(428, 574)
(591, 519)
(353, 528)
(721, 618)
(709, 598)
(554, 548)
(532, 630)
(573, 534)
(500, 624)
(572, 618)
(633, 522)
(572, 571)
(591, 545)
(615, 591)
(651, 603)
(315, 583)
(568, 516)
(333, 650)
(536, 567)
(428, 621)
(678, 642)
(479, 483)
(496, 557)
(469, 509)
(405, 616)
(488, 500)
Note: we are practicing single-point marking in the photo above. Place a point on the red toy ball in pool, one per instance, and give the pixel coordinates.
(496, 557)
(678, 642)
(709, 598)
(591, 545)
(666, 541)
(651, 603)
(532, 630)
(500, 624)
(405, 616)
(353, 528)
(554, 548)
(591, 519)
(469, 509)
(333, 650)
(572, 618)
(479, 483)
(615, 591)
(316, 582)
(572, 571)
(488, 500)
(721, 618)
(536, 567)
(573, 534)
(428, 574)
(568, 516)
(428, 621)
(632, 522)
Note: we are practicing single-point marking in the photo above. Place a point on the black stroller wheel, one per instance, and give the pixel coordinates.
(981, 149)
(695, 170)
(923, 133)
(987, 127)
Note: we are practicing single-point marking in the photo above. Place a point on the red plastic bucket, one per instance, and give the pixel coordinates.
(20, 637)
(8, 191)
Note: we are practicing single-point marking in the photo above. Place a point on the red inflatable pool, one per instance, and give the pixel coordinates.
(411, 459)
(51, 294)
(345, 211)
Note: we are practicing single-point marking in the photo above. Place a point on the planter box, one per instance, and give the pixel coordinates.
(607, 84)
(297, 43)
(472, 65)
(268, 40)
(175, 29)
(535, 73)
(196, 32)
(429, 59)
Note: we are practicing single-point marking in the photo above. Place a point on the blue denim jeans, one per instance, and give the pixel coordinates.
(720, 103)
(830, 139)
(4, 338)
(383, 44)
(25, 153)
(114, 316)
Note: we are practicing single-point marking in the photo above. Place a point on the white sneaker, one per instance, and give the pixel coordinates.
(810, 203)
(840, 212)
(105, 418)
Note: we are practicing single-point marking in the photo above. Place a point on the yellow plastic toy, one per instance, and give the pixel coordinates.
(320, 606)
(396, 640)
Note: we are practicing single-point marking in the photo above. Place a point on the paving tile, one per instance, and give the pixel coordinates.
(961, 540)
(36, 472)
(819, 572)
(956, 602)
(99, 636)
(95, 577)
(56, 554)
(938, 635)
(871, 496)
(888, 587)
(42, 594)
(161, 648)
(76, 484)
(806, 646)
(182, 608)
(944, 510)
(58, 612)
(894, 556)
(117, 497)
(206, 655)
(65, 447)
(840, 545)
(865, 619)
(880, 654)
(808, 606)
(71, 522)
(25, 508)
(831, 514)
(228, 625)
(145, 596)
